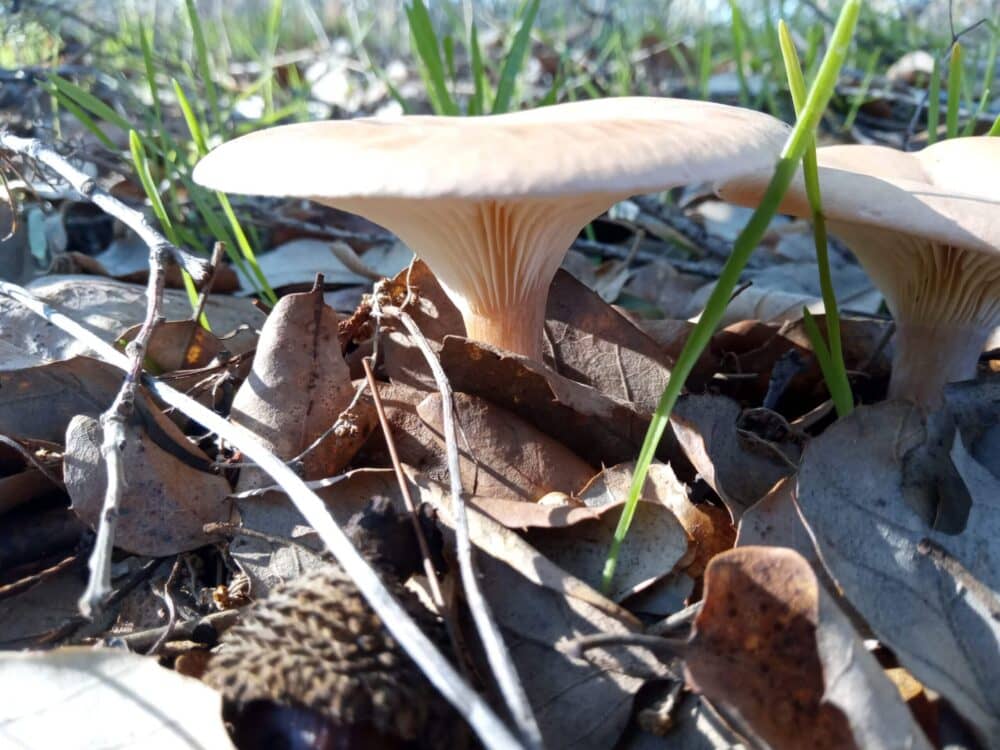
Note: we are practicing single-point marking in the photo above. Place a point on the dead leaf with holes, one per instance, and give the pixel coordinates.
(297, 389)
(783, 664)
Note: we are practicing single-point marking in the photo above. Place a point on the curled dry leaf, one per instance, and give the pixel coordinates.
(931, 597)
(781, 662)
(503, 456)
(741, 470)
(297, 388)
(81, 698)
(168, 496)
(542, 610)
(598, 428)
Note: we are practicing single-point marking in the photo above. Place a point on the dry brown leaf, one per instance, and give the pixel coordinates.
(594, 344)
(503, 456)
(517, 514)
(268, 563)
(932, 597)
(107, 307)
(38, 402)
(416, 445)
(781, 662)
(168, 496)
(598, 428)
(297, 388)
(587, 340)
(740, 469)
(655, 545)
(541, 609)
(185, 345)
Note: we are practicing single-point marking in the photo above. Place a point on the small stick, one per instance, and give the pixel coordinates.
(168, 600)
(113, 423)
(404, 488)
(143, 639)
(17, 587)
(493, 643)
(206, 288)
(492, 732)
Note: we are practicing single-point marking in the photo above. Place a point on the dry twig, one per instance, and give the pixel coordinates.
(496, 650)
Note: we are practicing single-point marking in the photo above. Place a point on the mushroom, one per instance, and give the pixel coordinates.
(926, 228)
(493, 203)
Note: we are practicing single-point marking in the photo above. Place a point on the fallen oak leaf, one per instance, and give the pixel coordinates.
(168, 495)
(297, 388)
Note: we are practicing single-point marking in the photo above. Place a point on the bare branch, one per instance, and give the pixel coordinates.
(90, 190)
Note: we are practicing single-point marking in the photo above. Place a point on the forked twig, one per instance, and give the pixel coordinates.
(490, 729)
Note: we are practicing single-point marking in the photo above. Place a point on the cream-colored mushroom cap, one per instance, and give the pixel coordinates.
(492, 203)
(926, 227)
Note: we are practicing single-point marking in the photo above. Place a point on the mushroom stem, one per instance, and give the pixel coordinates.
(930, 356)
(517, 329)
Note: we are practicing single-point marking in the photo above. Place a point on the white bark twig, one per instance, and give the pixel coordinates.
(496, 650)
(489, 728)
(88, 188)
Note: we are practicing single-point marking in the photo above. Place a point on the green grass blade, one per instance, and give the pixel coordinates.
(954, 90)
(425, 41)
(836, 373)
(204, 68)
(89, 102)
(146, 178)
(704, 61)
(739, 51)
(477, 104)
(970, 126)
(820, 351)
(819, 96)
(994, 128)
(194, 127)
(862, 94)
(934, 103)
(515, 58)
(82, 117)
(245, 248)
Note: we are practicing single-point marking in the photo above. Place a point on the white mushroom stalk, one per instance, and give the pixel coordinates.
(493, 203)
(926, 228)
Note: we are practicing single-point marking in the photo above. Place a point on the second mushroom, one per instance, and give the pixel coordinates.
(493, 203)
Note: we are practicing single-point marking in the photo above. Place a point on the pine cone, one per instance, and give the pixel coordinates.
(314, 643)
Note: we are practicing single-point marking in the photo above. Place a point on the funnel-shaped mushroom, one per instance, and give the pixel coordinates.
(926, 227)
(493, 203)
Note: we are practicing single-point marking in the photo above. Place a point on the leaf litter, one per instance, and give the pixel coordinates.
(877, 526)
